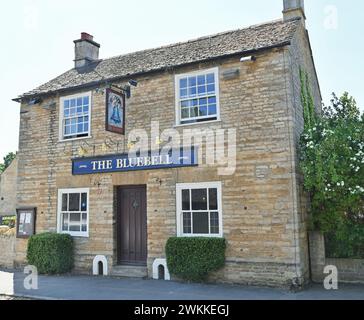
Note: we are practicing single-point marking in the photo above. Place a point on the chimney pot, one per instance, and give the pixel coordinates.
(86, 36)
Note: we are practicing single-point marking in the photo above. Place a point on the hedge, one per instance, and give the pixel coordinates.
(347, 244)
(193, 259)
(51, 253)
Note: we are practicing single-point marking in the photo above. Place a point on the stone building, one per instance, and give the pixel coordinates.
(8, 180)
(76, 139)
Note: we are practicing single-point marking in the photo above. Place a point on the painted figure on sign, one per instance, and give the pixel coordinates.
(115, 103)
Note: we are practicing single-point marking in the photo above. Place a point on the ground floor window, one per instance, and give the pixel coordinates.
(73, 212)
(199, 209)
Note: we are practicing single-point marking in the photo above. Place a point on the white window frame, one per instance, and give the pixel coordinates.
(83, 234)
(179, 212)
(178, 77)
(61, 115)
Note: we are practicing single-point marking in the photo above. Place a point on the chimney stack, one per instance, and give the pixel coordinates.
(86, 50)
(294, 9)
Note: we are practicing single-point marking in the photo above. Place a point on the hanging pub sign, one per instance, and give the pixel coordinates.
(115, 111)
(128, 162)
(25, 222)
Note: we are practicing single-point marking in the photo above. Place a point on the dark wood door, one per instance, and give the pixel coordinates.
(132, 225)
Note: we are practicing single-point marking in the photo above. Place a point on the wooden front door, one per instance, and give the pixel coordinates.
(132, 225)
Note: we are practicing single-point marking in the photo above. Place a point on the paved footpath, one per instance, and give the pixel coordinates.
(105, 288)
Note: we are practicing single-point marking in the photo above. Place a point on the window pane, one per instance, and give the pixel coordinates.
(210, 78)
(213, 199)
(212, 100)
(79, 102)
(183, 83)
(214, 222)
(203, 101)
(194, 112)
(72, 103)
(192, 91)
(84, 222)
(64, 202)
(85, 100)
(84, 202)
(187, 222)
(185, 104)
(192, 81)
(183, 93)
(75, 217)
(75, 222)
(74, 199)
(201, 80)
(75, 228)
(65, 222)
(211, 88)
(199, 199)
(200, 222)
(80, 128)
(66, 104)
(185, 199)
(202, 90)
(212, 110)
(203, 111)
(72, 111)
(185, 113)
(67, 130)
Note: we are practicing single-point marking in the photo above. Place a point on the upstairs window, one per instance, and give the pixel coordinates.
(197, 97)
(75, 116)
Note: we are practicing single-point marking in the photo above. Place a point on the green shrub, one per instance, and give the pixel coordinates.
(51, 253)
(192, 259)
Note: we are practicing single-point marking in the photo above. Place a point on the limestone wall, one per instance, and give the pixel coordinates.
(7, 251)
(8, 180)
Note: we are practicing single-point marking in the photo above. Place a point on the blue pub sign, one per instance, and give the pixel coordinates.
(138, 161)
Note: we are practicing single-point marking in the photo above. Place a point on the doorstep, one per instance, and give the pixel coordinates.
(128, 271)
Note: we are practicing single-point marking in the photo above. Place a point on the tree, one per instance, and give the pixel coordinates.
(332, 161)
(8, 159)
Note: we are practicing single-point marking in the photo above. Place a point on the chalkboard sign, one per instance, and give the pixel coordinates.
(25, 226)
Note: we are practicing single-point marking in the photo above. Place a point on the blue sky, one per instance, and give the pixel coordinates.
(37, 39)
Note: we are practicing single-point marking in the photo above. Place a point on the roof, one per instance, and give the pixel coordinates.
(255, 38)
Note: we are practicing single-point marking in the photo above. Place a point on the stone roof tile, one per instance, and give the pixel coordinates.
(254, 38)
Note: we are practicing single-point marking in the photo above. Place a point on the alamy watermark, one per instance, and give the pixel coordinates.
(331, 21)
(331, 282)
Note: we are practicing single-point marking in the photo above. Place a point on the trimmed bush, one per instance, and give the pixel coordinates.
(193, 259)
(51, 253)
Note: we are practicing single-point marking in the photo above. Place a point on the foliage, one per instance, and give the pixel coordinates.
(8, 159)
(307, 101)
(193, 259)
(348, 242)
(51, 253)
(332, 161)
